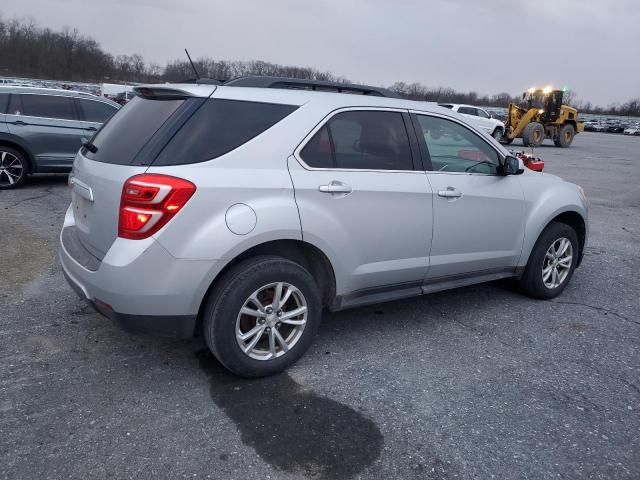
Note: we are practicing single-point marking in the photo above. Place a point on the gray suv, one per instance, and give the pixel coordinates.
(241, 212)
(41, 129)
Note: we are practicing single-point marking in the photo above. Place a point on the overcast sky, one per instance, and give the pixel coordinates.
(489, 46)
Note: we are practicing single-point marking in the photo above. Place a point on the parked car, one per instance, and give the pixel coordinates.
(480, 118)
(632, 130)
(243, 212)
(41, 129)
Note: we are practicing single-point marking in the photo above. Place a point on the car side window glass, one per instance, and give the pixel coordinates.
(454, 148)
(48, 106)
(317, 153)
(370, 140)
(482, 113)
(15, 105)
(97, 112)
(4, 102)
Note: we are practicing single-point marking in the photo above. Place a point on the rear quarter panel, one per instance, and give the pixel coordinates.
(254, 175)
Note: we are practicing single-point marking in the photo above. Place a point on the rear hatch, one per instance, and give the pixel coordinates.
(125, 146)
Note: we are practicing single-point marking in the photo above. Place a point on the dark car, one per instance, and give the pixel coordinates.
(41, 129)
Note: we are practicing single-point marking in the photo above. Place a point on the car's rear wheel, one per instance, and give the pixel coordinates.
(533, 134)
(552, 262)
(262, 316)
(13, 168)
(565, 136)
(497, 134)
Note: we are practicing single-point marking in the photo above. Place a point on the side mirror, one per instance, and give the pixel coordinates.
(511, 166)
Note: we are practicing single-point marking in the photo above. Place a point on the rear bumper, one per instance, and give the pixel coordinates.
(175, 326)
(139, 284)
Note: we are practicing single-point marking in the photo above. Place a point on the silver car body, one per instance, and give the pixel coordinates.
(389, 235)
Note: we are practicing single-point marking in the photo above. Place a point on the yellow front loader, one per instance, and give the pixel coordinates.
(542, 115)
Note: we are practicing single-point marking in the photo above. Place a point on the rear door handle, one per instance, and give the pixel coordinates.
(335, 187)
(19, 122)
(450, 192)
(92, 129)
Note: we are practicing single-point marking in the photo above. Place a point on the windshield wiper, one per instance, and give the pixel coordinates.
(88, 145)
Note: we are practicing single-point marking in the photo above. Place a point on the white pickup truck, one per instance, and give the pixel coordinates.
(480, 118)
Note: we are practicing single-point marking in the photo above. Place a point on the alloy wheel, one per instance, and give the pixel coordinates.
(11, 169)
(557, 263)
(271, 321)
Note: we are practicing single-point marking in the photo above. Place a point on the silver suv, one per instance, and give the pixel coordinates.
(242, 212)
(41, 129)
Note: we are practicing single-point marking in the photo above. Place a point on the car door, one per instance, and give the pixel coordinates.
(484, 119)
(49, 125)
(478, 215)
(471, 116)
(363, 200)
(94, 113)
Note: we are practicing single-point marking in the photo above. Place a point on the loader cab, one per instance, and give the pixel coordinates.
(547, 101)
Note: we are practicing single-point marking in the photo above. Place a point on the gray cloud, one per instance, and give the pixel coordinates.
(483, 45)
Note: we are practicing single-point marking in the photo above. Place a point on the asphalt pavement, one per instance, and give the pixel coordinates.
(475, 383)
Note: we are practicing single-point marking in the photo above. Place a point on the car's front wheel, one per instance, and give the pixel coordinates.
(13, 168)
(262, 316)
(552, 262)
(497, 134)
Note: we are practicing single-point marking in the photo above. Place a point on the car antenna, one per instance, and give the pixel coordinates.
(195, 70)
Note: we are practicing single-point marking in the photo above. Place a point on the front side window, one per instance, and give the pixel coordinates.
(46, 106)
(483, 114)
(95, 111)
(454, 148)
(367, 140)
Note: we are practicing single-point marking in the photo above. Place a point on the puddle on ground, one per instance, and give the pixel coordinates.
(292, 429)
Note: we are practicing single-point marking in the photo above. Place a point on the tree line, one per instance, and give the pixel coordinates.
(28, 50)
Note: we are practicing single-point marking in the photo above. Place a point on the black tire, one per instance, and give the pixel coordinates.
(533, 135)
(532, 282)
(497, 134)
(13, 168)
(506, 140)
(223, 307)
(565, 136)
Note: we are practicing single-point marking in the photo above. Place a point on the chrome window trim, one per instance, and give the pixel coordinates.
(329, 116)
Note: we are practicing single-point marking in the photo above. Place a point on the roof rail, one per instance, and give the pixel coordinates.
(317, 85)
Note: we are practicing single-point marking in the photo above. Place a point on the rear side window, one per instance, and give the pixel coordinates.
(367, 140)
(4, 102)
(95, 111)
(121, 138)
(46, 106)
(468, 111)
(218, 127)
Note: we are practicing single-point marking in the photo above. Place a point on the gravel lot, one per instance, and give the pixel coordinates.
(479, 382)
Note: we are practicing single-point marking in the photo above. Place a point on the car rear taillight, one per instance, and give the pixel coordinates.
(149, 201)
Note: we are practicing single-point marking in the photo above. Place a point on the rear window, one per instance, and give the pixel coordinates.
(124, 135)
(218, 127)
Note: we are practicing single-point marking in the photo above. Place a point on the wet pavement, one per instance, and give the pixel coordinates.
(480, 382)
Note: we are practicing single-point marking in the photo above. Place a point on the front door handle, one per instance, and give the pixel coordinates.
(450, 192)
(92, 129)
(335, 187)
(19, 122)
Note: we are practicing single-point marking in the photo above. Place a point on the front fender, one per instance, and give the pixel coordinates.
(546, 198)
